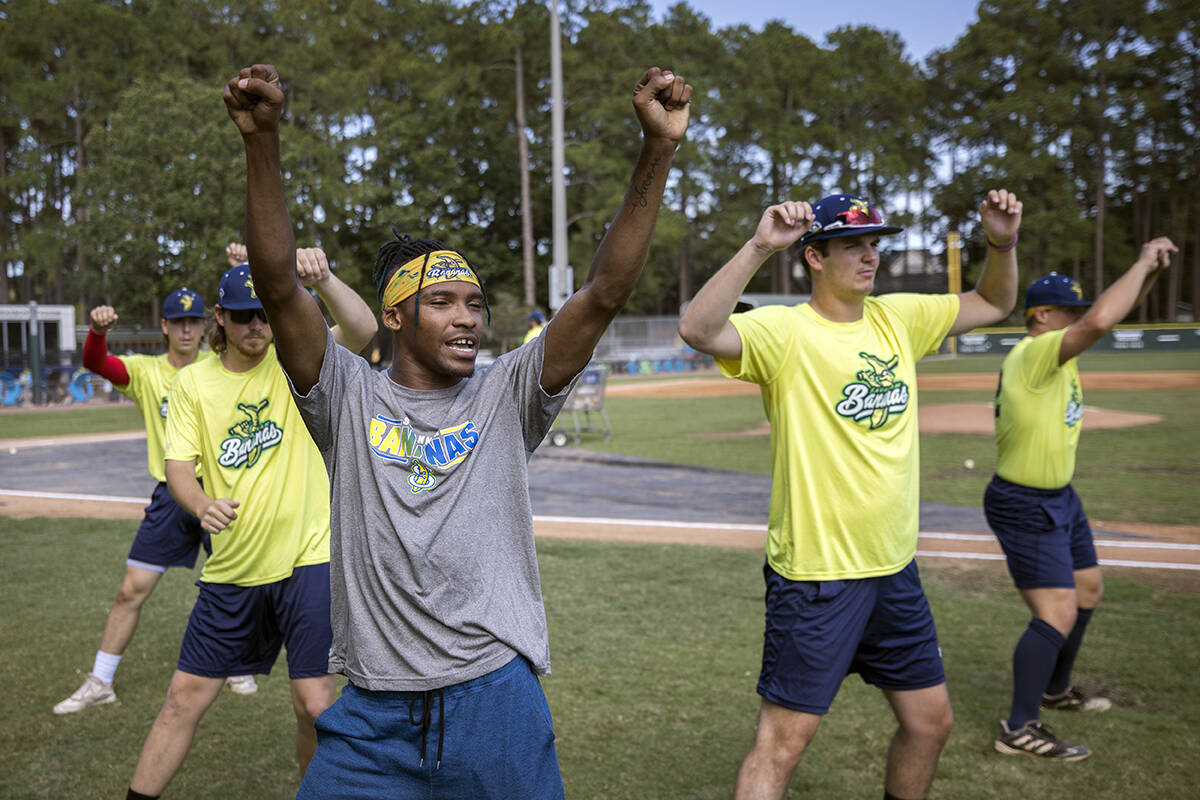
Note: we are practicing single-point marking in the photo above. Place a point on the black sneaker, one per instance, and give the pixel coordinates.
(1074, 700)
(1033, 739)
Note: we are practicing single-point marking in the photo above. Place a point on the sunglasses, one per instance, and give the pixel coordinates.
(856, 216)
(242, 316)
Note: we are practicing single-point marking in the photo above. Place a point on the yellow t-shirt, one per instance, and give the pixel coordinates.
(841, 399)
(245, 431)
(1039, 405)
(149, 379)
(532, 334)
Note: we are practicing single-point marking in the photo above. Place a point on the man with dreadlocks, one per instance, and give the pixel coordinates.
(438, 617)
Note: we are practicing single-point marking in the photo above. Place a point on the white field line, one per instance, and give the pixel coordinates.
(95, 498)
(984, 537)
(658, 523)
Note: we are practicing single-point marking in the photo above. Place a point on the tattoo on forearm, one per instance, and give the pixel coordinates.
(640, 190)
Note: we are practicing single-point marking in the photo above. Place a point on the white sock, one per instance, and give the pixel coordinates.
(105, 666)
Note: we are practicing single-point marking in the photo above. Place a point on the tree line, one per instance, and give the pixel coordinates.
(122, 177)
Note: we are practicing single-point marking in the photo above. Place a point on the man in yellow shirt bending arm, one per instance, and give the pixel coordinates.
(265, 504)
(1031, 506)
(838, 380)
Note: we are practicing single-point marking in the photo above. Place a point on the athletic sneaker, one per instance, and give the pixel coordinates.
(1074, 700)
(1034, 739)
(93, 692)
(242, 684)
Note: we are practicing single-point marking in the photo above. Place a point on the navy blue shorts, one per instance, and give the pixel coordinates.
(494, 734)
(1044, 533)
(168, 535)
(237, 630)
(818, 632)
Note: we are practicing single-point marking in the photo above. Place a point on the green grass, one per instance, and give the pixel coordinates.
(656, 651)
(81, 419)
(1145, 474)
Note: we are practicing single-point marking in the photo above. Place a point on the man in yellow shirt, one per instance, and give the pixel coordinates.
(168, 536)
(265, 504)
(1031, 506)
(537, 321)
(838, 380)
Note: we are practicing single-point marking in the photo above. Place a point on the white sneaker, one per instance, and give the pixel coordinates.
(241, 684)
(93, 692)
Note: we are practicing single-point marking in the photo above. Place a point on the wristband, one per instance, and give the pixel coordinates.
(1004, 248)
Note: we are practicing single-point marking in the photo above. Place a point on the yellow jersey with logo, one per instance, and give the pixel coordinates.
(149, 379)
(842, 403)
(1039, 407)
(244, 430)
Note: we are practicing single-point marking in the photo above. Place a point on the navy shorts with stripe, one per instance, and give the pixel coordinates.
(169, 536)
(1044, 533)
(238, 630)
(490, 738)
(818, 632)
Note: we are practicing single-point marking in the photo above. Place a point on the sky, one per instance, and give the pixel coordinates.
(924, 25)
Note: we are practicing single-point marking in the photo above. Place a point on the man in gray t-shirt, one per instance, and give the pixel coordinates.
(437, 609)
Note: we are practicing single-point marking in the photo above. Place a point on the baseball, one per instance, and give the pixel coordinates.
(969, 463)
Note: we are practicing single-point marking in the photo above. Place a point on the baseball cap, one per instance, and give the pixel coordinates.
(536, 316)
(1055, 290)
(183, 303)
(845, 215)
(237, 290)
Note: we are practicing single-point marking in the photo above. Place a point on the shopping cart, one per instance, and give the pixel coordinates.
(585, 399)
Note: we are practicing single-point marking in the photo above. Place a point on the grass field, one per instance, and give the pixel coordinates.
(655, 649)
(1150, 473)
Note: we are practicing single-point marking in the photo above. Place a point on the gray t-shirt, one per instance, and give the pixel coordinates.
(433, 571)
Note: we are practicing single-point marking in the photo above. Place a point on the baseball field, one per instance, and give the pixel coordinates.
(656, 643)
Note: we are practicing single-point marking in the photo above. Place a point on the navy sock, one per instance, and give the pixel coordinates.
(139, 796)
(1060, 680)
(1033, 662)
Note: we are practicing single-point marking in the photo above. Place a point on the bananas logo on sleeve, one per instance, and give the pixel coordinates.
(1074, 411)
(395, 440)
(248, 438)
(877, 393)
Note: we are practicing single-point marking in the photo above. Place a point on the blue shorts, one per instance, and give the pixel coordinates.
(237, 630)
(494, 735)
(818, 632)
(168, 535)
(1044, 533)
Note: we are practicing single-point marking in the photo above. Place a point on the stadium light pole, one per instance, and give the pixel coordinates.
(561, 278)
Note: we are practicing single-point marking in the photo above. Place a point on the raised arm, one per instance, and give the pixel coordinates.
(355, 322)
(95, 347)
(705, 325)
(1119, 299)
(661, 100)
(254, 101)
(995, 295)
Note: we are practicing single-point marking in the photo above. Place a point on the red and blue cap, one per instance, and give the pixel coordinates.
(845, 215)
(1054, 290)
(183, 303)
(236, 291)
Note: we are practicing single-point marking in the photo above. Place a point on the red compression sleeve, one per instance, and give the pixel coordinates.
(97, 359)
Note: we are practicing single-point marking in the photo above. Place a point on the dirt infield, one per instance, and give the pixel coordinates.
(725, 387)
(933, 417)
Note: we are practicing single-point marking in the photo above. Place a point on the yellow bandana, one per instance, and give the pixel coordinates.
(440, 266)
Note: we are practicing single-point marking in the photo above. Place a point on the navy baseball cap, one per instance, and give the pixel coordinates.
(845, 215)
(183, 303)
(236, 291)
(536, 316)
(1054, 290)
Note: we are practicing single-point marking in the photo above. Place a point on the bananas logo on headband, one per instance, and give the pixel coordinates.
(440, 266)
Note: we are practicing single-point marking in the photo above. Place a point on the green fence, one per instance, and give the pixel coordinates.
(1122, 339)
